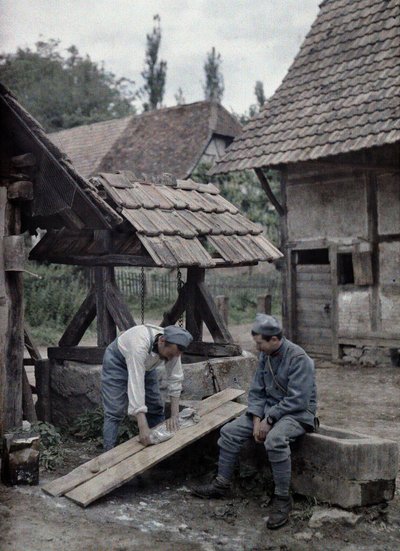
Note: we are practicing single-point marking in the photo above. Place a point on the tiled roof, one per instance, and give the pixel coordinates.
(165, 140)
(180, 224)
(341, 93)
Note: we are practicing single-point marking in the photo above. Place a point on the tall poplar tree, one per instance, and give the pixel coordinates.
(214, 81)
(155, 71)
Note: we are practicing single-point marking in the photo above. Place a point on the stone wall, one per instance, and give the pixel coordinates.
(75, 387)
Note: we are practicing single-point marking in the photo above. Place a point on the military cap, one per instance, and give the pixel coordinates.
(266, 325)
(177, 335)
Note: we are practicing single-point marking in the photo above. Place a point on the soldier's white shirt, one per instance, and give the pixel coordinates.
(134, 344)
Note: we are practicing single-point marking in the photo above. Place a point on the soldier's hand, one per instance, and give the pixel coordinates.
(262, 430)
(144, 437)
(172, 423)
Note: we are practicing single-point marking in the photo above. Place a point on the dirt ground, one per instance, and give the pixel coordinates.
(157, 511)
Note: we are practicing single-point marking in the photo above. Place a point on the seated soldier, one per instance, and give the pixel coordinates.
(281, 407)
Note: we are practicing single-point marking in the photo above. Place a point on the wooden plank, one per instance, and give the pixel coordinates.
(112, 457)
(81, 321)
(313, 319)
(88, 354)
(31, 347)
(96, 260)
(124, 471)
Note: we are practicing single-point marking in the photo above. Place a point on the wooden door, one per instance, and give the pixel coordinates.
(313, 308)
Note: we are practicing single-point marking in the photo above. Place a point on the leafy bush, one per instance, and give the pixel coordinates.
(51, 451)
(89, 426)
(52, 300)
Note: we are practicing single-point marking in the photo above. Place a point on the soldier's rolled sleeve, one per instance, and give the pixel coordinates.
(299, 389)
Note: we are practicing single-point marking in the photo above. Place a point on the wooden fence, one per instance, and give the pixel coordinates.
(164, 286)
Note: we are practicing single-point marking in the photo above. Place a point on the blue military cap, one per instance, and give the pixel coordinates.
(266, 325)
(177, 335)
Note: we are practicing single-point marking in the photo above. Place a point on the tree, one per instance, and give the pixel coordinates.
(179, 97)
(214, 83)
(64, 91)
(259, 93)
(154, 72)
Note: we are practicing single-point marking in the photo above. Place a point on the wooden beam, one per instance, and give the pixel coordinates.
(81, 321)
(124, 471)
(31, 347)
(28, 407)
(267, 188)
(194, 321)
(213, 350)
(20, 191)
(86, 354)
(106, 330)
(97, 260)
(108, 459)
(42, 377)
(118, 309)
(211, 316)
(172, 316)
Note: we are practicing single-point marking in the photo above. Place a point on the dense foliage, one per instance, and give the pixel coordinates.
(63, 91)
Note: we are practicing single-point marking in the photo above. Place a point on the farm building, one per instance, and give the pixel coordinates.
(332, 130)
(174, 140)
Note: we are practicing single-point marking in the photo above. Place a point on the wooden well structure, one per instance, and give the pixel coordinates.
(168, 224)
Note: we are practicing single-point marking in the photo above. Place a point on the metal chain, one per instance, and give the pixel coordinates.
(179, 287)
(215, 382)
(142, 292)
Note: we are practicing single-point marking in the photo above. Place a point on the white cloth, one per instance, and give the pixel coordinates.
(134, 345)
(186, 418)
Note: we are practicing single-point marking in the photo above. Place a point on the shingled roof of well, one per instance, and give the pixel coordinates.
(170, 140)
(178, 223)
(341, 93)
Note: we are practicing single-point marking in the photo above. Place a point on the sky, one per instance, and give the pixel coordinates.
(257, 39)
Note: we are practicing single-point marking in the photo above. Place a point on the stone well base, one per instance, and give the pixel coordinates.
(75, 387)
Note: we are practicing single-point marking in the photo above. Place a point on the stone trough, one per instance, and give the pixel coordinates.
(345, 468)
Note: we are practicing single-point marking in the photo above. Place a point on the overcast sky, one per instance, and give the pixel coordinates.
(257, 39)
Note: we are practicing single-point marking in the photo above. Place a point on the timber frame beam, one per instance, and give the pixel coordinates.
(105, 301)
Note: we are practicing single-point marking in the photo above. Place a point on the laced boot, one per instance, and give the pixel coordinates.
(279, 511)
(215, 489)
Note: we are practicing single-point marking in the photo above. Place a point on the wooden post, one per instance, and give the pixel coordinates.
(106, 330)
(11, 320)
(42, 377)
(264, 304)
(194, 321)
(222, 303)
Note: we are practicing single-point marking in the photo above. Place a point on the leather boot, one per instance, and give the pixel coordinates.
(279, 511)
(215, 489)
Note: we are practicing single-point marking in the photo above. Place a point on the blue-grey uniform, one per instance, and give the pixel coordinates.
(283, 389)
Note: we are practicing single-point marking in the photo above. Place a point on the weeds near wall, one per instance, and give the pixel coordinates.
(89, 426)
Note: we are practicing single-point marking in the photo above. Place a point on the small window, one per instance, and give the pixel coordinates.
(313, 256)
(345, 269)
